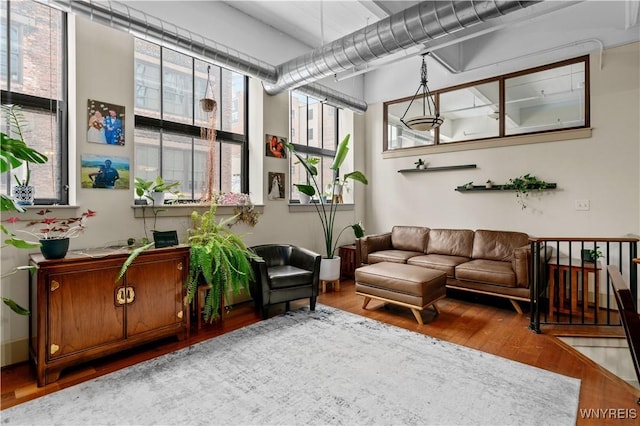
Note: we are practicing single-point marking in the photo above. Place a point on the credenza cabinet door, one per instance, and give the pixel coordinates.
(154, 295)
(83, 311)
(80, 312)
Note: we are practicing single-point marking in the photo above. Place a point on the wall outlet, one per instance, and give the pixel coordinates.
(582, 205)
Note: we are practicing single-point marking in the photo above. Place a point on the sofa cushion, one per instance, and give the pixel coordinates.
(487, 271)
(497, 245)
(440, 262)
(410, 238)
(395, 256)
(452, 242)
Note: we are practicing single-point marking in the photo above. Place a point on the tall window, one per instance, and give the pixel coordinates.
(314, 133)
(169, 121)
(33, 42)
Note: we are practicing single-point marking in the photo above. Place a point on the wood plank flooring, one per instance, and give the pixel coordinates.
(493, 329)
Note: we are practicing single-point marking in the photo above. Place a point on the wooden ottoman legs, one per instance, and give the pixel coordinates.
(416, 311)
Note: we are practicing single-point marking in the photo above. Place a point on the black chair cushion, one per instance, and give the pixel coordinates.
(289, 276)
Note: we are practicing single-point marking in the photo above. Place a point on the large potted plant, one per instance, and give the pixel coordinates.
(219, 259)
(326, 209)
(14, 152)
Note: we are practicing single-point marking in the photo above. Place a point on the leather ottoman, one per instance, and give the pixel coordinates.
(414, 287)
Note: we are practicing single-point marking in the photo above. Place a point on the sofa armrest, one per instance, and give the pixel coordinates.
(522, 261)
(371, 243)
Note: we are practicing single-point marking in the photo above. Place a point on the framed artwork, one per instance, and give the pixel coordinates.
(106, 123)
(275, 146)
(104, 171)
(276, 186)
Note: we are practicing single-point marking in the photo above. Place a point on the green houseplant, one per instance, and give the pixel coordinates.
(324, 207)
(523, 185)
(218, 258)
(14, 152)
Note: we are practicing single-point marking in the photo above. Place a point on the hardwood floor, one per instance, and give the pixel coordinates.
(493, 329)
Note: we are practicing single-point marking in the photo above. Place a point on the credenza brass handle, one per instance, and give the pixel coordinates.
(120, 299)
(180, 266)
(180, 314)
(131, 294)
(54, 285)
(53, 348)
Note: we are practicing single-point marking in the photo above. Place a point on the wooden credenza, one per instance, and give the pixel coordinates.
(79, 312)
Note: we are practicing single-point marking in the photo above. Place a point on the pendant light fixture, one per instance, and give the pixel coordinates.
(430, 118)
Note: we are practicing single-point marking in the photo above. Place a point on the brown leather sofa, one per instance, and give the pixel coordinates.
(482, 261)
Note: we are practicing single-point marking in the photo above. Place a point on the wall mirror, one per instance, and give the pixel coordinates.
(543, 99)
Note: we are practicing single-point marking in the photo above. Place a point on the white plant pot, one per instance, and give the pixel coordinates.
(330, 269)
(158, 198)
(304, 198)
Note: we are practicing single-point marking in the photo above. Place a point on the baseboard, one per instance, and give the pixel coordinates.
(14, 352)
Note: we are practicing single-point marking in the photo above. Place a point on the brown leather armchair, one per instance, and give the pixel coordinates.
(284, 273)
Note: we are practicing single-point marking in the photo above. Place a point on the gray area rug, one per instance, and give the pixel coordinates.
(323, 367)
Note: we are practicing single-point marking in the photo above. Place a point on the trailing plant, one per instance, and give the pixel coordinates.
(523, 185)
(219, 258)
(14, 152)
(327, 219)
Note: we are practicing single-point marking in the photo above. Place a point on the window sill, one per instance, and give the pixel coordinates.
(560, 135)
(299, 208)
(185, 210)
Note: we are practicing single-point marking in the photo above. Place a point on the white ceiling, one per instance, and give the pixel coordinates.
(317, 22)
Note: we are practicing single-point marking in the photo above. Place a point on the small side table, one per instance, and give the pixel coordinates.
(348, 260)
(573, 268)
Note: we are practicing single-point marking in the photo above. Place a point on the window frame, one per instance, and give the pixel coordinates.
(192, 130)
(502, 138)
(59, 107)
(325, 154)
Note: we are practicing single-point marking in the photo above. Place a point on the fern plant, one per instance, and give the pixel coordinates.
(219, 257)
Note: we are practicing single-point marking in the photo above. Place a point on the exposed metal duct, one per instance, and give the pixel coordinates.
(121, 17)
(333, 97)
(415, 25)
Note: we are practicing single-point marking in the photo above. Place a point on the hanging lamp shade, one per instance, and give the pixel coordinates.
(430, 117)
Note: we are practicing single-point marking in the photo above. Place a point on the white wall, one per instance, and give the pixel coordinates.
(602, 169)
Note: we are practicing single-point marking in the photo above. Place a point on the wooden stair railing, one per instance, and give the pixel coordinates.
(629, 316)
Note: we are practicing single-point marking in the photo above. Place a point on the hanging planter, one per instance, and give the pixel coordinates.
(208, 102)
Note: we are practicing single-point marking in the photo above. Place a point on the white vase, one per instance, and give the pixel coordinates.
(304, 198)
(158, 198)
(330, 269)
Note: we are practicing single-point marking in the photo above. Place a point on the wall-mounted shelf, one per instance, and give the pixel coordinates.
(438, 169)
(501, 188)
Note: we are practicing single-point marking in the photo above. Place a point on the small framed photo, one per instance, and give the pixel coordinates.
(106, 123)
(276, 186)
(275, 146)
(104, 172)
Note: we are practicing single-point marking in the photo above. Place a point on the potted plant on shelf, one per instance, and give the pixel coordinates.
(330, 265)
(305, 198)
(523, 185)
(419, 164)
(219, 259)
(155, 190)
(244, 210)
(16, 153)
(53, 233)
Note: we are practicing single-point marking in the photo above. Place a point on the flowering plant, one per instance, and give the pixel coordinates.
(49, 228)
(244, 210)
